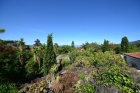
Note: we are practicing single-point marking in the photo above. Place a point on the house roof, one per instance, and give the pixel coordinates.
(135, 54)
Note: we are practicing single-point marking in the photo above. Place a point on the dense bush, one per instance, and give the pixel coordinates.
(31, 68)
(82, 61)
(111, 70)
(76, 53)
(10, 69)
(64, 49)
(8, 87)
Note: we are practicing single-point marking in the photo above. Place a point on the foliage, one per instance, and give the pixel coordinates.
(125, 44)
(105, 46)
(50, 57)
(37, 56)
(21, 45)
(31, 68)
(2, 30)
(8, 87)
(92, 45)
(53, 68)
(5, 42)
(76, 53)
(83, 85)
(82, 61)
(86, 88)
(37, 42)
(82, 76)
(42, 51)
(111, 71)
(72, 44)
(64, 49)
(133, 49)
(56, 48)
(65, 62)
(10, 69)
(72, 56)
(117, 50)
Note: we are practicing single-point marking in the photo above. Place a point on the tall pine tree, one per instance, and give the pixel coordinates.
(50, 57)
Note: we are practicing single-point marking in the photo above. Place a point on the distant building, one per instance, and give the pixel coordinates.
(133, 59)
(12, 44)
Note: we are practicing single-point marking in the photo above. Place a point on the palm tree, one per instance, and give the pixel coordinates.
(36, 56)
(42, 50)
(21, 44)
(21, 47)
(56, 48)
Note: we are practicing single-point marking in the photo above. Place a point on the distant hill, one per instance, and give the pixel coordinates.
(134, 42)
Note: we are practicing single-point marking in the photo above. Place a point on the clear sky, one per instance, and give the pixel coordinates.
(70, 20)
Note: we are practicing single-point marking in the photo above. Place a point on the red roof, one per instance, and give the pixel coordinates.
(135, 54)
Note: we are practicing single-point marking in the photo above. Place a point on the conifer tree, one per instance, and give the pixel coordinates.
(106, 46)
(124, 44)
(50, 57)
(72, 44)
(37, 42)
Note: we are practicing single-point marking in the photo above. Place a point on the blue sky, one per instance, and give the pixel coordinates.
(70, 20)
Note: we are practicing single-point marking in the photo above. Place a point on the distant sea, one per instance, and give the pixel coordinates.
(76, 46)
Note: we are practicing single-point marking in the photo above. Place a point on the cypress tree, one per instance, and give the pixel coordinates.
(72, 44)
(50, 57)
(124, 44)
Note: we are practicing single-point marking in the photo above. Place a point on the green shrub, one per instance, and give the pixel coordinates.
(31, 68)
(72, 56)
(10, 69)
(8, 87)
(82, 76)
(86, 88)
(64, 49)
(82, 61)
(111, 71)
(65, 62)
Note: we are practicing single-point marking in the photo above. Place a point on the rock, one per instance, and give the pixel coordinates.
(134, 74)
(102, 89)
(28, 85)
(91, 81)
(58, 58)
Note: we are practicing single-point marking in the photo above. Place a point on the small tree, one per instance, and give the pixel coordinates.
(2, 30)
(21, 45)
(125, 44)
(37, 42)
(50, 57)
(72, 44)
(105, 46)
